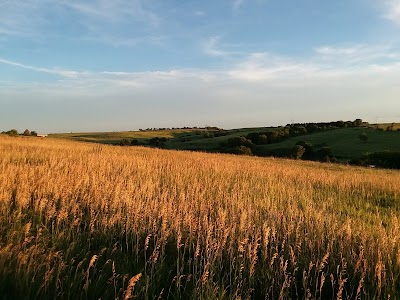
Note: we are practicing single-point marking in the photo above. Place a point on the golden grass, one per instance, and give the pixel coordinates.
(90, 221)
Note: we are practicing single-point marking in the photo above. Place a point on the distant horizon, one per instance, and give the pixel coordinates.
(126, 64)
(20, 131)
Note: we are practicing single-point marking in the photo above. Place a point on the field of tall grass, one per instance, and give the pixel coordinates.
(85, 221)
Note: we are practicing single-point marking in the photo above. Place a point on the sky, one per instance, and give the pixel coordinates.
(98, 65)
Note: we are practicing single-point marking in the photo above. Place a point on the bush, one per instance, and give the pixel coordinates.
(242, 150)
(11, 132)
(258, 138)
(384, 159)
(298, 151)
(124, 142)
(158, 142)
(239, 141)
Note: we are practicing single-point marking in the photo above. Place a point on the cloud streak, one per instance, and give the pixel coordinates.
(212, 47)
(114, 11)
(265, 80)
(393, 11)
(358, 54)
(55, 71)
(262, 67)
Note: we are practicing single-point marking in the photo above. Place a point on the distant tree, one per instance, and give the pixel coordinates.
(363, 137)
(301, 130)
(27, 132)
(309, 150)
(357, 122)
(298, 151)
(325, 154)
(273, 136)
(124, 142)
(12, 132)
(390, 127)
(242, 150)
(263, 139)
(239, 141)
(33, 133)
(134, 142)
(158, 142)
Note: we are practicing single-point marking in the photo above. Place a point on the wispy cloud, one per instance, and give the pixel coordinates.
(358, 54)
(30, 18)
(212, 47)
(114, 11)
(55, 71)
(21, 18)
(262, 67)
(393, 10)
(119, 79)
(328, 62)
(259, 67)
(267, 81)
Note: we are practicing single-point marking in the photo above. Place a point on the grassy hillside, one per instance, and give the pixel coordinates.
(84, 221)
(181, 139)
(344, 142)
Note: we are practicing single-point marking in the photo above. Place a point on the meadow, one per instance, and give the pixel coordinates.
(91, 221)
(344, 142)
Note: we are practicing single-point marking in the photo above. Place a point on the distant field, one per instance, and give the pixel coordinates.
(116, 137)
(386, 125)
(194, 138)
(86, 221)
(344, 142)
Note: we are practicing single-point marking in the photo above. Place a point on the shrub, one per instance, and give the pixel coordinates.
(239, 141)
(384, 159)
(242, 150)
(298, 151)
(11, 132)
(124, 142)
(158, 142)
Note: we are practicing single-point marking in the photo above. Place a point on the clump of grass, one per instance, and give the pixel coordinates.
(79, 222)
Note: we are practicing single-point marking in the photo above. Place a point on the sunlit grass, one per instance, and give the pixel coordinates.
(91, 221)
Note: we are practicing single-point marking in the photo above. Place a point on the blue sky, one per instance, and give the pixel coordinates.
(127, 64)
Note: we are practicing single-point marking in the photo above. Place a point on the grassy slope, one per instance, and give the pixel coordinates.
(345, 142)
(78, 221)
(194, 137)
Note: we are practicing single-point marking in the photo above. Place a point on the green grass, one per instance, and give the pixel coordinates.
(194, 139)
(345, 143)
(115, 137)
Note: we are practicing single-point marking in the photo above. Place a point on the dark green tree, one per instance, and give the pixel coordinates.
(298, 151)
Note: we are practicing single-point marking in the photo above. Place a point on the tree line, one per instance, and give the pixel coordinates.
(14, 132)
